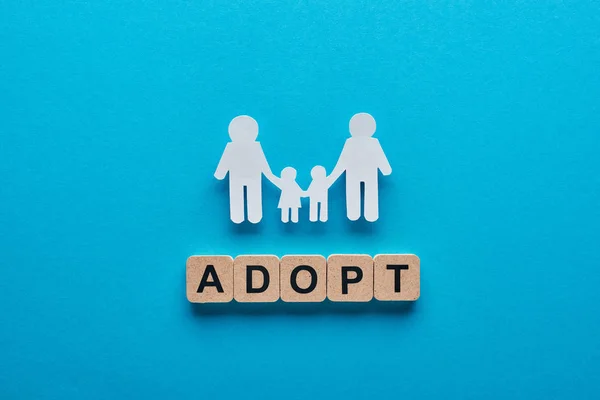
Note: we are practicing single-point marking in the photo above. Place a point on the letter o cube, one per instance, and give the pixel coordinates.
(303, 278)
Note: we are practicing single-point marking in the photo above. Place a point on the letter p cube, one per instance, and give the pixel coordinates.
(349, 277)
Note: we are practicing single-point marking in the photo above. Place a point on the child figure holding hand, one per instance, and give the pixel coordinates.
(317, 191)
(291, 193)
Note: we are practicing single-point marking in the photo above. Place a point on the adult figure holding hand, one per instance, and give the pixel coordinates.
(245, 161)
(361, 159)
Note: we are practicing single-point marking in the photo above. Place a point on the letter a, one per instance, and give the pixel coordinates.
(204, 282)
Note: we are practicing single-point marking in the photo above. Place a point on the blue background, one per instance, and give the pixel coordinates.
(114, 115)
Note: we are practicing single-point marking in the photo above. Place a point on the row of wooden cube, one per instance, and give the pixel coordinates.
(303, 278)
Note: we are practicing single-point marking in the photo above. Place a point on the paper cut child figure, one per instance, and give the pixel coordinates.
(361, 159)
(245, 162)
(317, 191)
(289, 202)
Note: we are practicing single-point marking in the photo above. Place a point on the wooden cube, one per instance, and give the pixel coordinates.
(209, 279)
(397, 277)
(256, 278)
(303, 278)
(349, 277)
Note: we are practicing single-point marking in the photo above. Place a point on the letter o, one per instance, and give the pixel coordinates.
(294, 278)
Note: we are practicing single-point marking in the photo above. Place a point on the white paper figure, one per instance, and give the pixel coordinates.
(317, 192)
(291, 194)
(245, 162)
(361, 159)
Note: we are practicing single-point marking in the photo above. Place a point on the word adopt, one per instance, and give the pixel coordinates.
(303, 278)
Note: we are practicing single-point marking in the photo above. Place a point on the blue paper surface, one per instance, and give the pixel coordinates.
(113, 116)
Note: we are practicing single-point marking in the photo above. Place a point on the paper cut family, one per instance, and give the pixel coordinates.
(361, 159)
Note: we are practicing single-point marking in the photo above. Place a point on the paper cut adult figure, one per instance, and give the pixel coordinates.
(361, 159)
(245, 162)
(317, 191)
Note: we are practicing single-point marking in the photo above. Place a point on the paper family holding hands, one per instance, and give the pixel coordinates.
(361, 159)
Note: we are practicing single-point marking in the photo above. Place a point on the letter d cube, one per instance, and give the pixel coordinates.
(256, 278)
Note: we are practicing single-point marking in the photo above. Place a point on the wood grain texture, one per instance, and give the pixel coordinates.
(308, 274)
(349, 277)
(397, 277)
(216, 272)
(263, 271)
